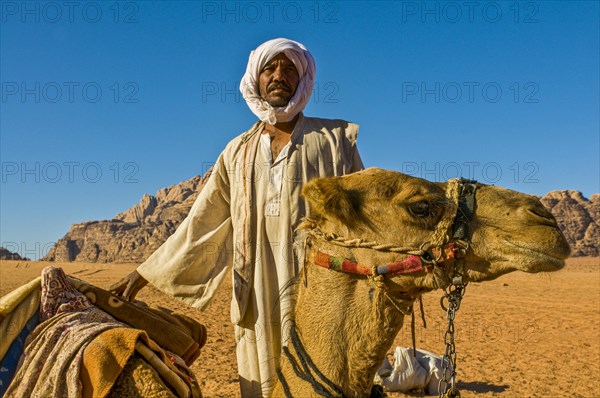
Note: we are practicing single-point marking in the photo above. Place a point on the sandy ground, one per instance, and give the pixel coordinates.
(518, 336)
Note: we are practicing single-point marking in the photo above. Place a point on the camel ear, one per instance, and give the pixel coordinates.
(327, 198)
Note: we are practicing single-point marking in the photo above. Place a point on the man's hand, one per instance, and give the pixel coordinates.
(129, 286)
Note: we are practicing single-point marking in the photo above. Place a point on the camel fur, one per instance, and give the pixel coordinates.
(348, 322)
(140, 380)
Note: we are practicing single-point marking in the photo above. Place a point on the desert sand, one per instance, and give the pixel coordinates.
(521, 335)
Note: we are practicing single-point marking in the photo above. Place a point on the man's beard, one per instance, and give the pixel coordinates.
(278, 102)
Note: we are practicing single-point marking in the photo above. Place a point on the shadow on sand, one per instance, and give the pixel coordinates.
(481, 386)
(471, 386)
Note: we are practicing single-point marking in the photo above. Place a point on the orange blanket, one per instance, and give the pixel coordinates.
(106, 356)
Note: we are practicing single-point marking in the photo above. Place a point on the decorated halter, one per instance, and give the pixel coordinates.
(449, 241)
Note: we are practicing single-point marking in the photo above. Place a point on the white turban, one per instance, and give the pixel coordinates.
(305, 65)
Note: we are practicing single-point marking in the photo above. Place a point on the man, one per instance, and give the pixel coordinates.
(247, 212)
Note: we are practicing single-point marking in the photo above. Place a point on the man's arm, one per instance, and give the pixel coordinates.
(193, 261)
(129, 286)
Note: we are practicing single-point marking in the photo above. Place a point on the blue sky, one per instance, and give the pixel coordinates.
(102, 102)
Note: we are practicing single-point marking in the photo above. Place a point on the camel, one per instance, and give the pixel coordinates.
(345, 322)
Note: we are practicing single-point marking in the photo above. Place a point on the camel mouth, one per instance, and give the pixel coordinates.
(534, 260)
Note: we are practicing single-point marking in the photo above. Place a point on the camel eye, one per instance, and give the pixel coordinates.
(420, 209)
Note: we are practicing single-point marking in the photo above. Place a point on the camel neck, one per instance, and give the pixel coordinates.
(346, 325)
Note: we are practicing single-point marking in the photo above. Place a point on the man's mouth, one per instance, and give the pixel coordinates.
(279, 88)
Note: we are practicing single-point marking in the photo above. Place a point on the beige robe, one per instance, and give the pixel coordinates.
(227, 227)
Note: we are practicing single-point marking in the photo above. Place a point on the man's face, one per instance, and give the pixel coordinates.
(278, 81)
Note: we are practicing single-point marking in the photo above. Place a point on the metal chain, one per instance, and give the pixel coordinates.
(447, 388)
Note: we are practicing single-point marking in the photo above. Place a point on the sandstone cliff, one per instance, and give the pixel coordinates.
(132, 235)
(135, 234)
(579, 219)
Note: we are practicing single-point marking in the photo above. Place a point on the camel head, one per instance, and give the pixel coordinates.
(510, 230)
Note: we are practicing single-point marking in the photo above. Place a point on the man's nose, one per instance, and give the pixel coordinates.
(278, 74)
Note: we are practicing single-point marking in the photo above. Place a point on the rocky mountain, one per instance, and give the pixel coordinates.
(136, 233)
(6, 254)
(579, 219)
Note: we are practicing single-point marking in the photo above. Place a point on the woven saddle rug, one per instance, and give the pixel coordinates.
(52, 343)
